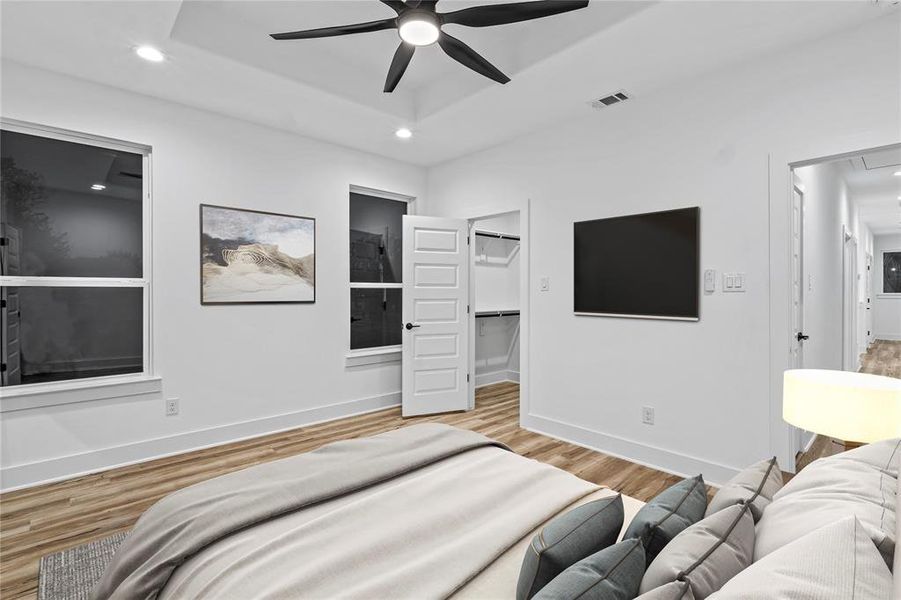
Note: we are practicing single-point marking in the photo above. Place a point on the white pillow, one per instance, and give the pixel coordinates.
(884, 455)
(836, 562)
(760, 481)
(824, 492)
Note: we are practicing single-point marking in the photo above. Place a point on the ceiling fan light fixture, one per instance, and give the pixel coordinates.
(419, 31)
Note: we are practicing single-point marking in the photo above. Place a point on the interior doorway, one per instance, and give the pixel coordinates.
(844, 209)
(496, 274)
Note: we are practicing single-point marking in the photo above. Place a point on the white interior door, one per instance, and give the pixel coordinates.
(797, 296)
(435, 306)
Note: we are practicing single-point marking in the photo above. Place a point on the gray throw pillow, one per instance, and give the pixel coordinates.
(566, 540)
(667, 514)
(706, 554)
(757, 484)
(835, 562)
(675, 590)
(611, 574)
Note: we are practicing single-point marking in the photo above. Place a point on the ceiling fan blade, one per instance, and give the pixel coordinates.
(399, 63)
(466, 56)
(339, 30)
(501, 14)
(399, 6)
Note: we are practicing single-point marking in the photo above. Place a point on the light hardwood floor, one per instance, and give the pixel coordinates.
(51, 517)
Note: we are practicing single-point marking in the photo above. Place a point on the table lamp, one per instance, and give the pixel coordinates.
(855, 408)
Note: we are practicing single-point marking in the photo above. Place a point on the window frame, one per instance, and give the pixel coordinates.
(376, 354)
(882, 293)
(33, 395)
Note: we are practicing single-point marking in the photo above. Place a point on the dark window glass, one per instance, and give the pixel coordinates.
(375, 239)
(70, 210)
(891, 272)
(375, 317)
(57, 333)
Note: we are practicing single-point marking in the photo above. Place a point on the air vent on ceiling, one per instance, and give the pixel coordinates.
(614, 98)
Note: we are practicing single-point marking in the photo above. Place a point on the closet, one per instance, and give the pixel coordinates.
(496, 288)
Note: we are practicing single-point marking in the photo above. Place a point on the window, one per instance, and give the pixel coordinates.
(376, 270)
(891, 272)
(74, 259)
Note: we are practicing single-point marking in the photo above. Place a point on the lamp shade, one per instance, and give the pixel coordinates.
(852, 407)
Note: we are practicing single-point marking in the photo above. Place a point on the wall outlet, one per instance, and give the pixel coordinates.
(545, 284)
(171, 407)
(647, 415)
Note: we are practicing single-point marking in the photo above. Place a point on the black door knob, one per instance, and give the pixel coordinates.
(801, 337)
(410, 326)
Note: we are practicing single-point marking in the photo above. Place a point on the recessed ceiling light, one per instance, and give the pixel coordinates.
(403, 133)
(897, 173)
(149, 53)
(419, 30)
(98, 187)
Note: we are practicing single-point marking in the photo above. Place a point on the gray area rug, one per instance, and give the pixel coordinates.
(72, 574)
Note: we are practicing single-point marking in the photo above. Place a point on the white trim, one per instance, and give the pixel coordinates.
(106, 282)
(67, 135)
(376, 285)
(653, 457)
(656, 317)
(887, 337)
(484, 379)
(71, 391)
(76, 465)
(365, 191)
(373, 356)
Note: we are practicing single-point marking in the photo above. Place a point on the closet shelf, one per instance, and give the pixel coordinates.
(481, 314)
(497, 235)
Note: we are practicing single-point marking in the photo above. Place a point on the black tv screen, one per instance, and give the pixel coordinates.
(639, 265)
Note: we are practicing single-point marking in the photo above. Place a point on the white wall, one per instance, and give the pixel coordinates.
(708, 381)
(886, 308)
(238, 370)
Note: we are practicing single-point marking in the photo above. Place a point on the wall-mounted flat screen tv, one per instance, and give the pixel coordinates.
(644, 265)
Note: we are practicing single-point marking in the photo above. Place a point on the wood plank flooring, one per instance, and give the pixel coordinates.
(44, 519)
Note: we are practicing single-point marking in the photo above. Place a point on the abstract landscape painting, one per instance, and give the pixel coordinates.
(248, 256)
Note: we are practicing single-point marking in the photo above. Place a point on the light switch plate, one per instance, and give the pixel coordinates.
(545, 284)
(709, 281)
(734, 282)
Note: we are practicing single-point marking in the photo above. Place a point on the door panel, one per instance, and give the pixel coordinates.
(435, 337)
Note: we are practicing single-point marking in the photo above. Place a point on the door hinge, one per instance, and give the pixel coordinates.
(2, 303)
(2, 367)
(467, 240)
(467, 378)
(4, 241)
(467, 309)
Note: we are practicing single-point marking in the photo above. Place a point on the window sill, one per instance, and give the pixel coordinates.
(40, 395)
(889, 295)
(372, 356)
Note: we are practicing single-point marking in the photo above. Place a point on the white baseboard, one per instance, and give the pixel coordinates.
(890, 337)
(76, 465)
(484, 379)
(650, 456)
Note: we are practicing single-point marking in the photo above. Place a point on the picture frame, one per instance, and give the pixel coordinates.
(250, 256)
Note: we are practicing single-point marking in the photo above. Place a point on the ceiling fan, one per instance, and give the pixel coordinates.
(419, 24)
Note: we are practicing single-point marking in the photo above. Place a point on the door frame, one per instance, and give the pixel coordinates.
(523, 300)
(780, 164)
(525, 375)
(850, 303)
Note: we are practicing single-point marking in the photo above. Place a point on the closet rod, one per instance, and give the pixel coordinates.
(502, 236)
(496, 313)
